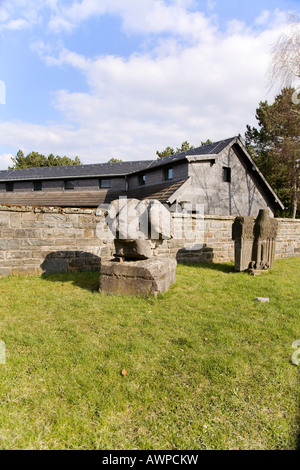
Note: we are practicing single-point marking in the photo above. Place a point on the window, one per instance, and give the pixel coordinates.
(105, 183)
(37, 186)
(226, 174)
(142, 179)
(9, 186)
(169, 174)
(69, 185)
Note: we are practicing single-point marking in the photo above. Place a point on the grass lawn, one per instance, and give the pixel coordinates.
(207, 366)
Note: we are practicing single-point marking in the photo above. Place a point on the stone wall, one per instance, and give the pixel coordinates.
(288, 238)
(208, 240)
(46, 240)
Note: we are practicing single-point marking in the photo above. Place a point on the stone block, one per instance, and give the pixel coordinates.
(9, 244)
(55, 217)
(23, 270)
(142, 277)
(18, 255)
(5, 271)
(4, 220)
(36, 242)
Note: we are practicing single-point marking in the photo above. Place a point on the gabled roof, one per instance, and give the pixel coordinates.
(75, 171)
(209, 149)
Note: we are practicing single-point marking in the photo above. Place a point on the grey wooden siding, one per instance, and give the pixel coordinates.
(241, 196)
(157, 176)
(84, 184)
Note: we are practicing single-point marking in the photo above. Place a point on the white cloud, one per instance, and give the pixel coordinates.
(5, 160)
(17, 24)
(235, 26)
(195, 83)
(19, 14)
(211, 5)
(141, 17)
(263, 18)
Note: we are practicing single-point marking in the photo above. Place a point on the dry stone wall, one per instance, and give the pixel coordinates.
(48, 240)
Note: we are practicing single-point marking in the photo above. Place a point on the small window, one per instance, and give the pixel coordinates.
(9, 187)
(69, 185)
(142, 179)
(226, 174)
(169, 174)
(37, 186)
(105, 183)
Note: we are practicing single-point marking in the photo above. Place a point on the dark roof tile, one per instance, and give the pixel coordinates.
(75, 171)
(210, 149)
(76, 198)
(161, 192)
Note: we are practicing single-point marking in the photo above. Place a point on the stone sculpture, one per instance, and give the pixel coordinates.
(139, 227)
(255, 242)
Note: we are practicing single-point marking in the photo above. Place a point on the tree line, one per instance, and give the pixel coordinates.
(35, 160)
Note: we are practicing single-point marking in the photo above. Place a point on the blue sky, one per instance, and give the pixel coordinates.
(116, 78)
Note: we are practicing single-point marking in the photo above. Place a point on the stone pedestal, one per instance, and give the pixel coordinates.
(143, 277)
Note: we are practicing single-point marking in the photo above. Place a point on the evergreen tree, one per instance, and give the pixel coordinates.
(275, 146)
(35, 160)
(170, 150)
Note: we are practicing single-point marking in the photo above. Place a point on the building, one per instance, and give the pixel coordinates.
(222, 176)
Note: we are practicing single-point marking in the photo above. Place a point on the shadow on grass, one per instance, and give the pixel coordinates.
(79, 267)
(223, 267)
(89, 280)
(85, 280)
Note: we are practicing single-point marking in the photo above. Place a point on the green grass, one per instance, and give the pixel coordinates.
(207, 366)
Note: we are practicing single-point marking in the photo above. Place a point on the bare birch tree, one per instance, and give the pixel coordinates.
(284, 66)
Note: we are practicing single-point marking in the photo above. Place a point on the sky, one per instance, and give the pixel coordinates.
(102, 79)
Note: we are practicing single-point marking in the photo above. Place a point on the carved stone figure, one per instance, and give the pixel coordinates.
(255, 242)
(242, 234)
(139, 227)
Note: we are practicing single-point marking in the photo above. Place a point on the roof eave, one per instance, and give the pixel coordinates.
(48, 178)
(201, 158)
